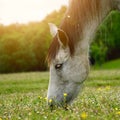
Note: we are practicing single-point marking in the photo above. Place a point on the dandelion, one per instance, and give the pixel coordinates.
(0, 118)
(65, 94)
(19, 118)
(39, 97)
(51, 104)
(84, 115)
(107, 88)
(99, 89)
(50, 100)
(118, 113)
(29, 113)
(116, 108)
(37, 112)
(46, 98)
(45, 117)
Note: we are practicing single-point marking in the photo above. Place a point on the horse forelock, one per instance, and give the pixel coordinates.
(54, 47)
(78, 13)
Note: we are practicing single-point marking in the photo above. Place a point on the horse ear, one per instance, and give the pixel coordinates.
(53, 29)
(62, 38)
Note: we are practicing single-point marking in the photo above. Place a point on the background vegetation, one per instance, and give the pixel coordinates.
(23, 95)
(24, 47)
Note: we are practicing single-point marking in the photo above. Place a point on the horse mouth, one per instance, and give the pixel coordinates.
(65, 95)
(60, 102)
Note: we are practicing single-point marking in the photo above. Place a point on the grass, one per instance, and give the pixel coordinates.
(23, 97)
(109, 65)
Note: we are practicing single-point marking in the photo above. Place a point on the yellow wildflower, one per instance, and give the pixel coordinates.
(0, 118)
(29, 113)
(65, 94)
(118, 113)
(37, 112)
(39, 97)
(50, 100)
(99, 89)
(116, 108)
(46, 98)
(107, 87)
(83, 115)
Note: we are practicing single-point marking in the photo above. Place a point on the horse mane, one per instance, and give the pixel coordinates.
(78, 13)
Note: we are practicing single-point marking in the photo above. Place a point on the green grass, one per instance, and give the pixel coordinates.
(22, 97)
(115, 64)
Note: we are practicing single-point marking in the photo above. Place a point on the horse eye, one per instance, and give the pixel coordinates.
(58, 66)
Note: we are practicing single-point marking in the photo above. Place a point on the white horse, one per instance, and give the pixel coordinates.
(69, 51)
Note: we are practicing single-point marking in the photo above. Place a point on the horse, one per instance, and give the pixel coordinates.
(68, 54)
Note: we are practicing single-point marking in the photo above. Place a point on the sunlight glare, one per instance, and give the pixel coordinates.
(24, 11)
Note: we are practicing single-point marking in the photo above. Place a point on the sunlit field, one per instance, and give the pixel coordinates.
(23, 97)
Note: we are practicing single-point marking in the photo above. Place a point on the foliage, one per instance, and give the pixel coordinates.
(114, 64)
(98, 52)
(24, 47)
(107, 40)
(23, 96)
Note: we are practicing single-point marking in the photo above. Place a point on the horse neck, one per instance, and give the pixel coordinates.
(90, 27)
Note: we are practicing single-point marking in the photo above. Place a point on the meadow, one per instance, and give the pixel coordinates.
(23, 97)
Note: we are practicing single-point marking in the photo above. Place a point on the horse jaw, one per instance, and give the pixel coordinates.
(69, 79)
(67, 72)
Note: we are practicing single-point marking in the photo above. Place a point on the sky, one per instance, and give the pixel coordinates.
(24, 11)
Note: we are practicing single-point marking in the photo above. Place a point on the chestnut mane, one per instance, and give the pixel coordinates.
(78, 13)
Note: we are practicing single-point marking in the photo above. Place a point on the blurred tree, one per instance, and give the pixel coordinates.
(107, 39)
(24, 47)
